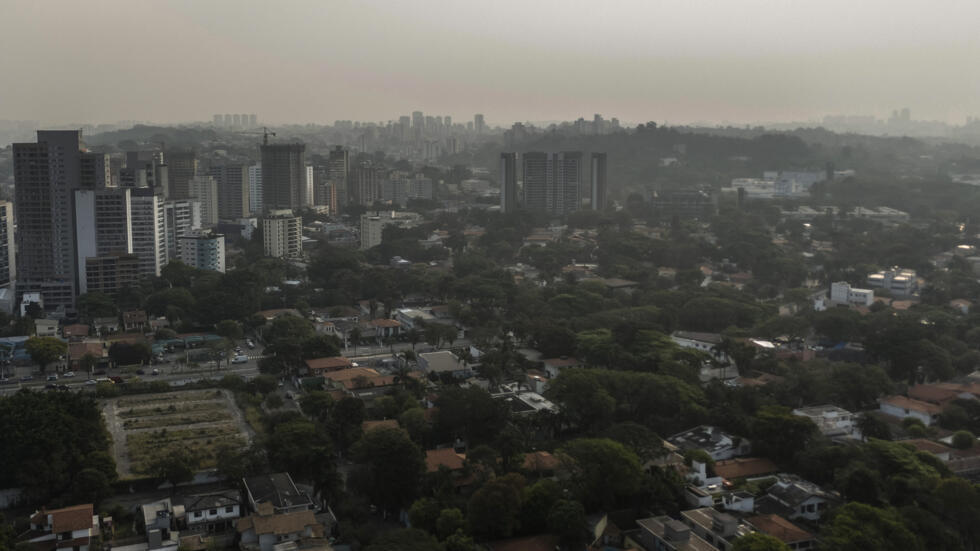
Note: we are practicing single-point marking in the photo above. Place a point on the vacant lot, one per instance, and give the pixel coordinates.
(145, 427)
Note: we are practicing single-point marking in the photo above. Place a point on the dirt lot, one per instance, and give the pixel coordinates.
(144, 427)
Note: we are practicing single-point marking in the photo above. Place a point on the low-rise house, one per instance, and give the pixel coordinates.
(77, 351)
(717, 443)
(385, 328)
(902, 407)
(75, 331)
(268, 531)
(319, 366)
(444, 457)
(360, 382)
(46, 328)
(740, 501)
(159, 523)
(717, 528)
(785, 531)
(135, 320)
(540, 463)
(279, 491)
(213, 511)
(74, 528)
(522, 401)
(698, 497)
(943, 393)
(795, 498)
(703, 342)
(832, 421)
(444, 361)
(106, 325)
(666, 534)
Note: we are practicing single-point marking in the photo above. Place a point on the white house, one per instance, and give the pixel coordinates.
(717, 443)
(841, 292)
(71, 528)
(902, 407)
(831, 420)
(212, 512)
(795, 498)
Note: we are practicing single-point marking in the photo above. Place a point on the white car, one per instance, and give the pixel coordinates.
(239, 359)
(68, 375)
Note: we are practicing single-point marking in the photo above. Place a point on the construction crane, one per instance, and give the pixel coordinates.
(265, 134)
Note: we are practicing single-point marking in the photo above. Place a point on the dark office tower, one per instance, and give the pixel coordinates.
(552, 182)
(598, 187)
(233, 190)
(508, 182)
(145, 169)
(536, 175)
(182, 167)
(478, 123)
(46, 175)
(283, 176)
(338, 166)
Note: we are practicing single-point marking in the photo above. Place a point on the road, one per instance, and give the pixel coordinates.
(169, 371)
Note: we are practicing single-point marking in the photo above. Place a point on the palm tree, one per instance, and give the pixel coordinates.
(355, 337)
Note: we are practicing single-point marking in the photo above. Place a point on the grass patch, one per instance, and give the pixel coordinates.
(178, 419)
(186, 396)
(182, 407)
(145, 447)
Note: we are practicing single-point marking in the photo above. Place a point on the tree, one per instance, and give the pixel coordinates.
(404, 539)
(124, 353)
(861, 527)
(494, 509)
(45, 350)
(603, 470)
(391, 466)
(96, 305)
(757, 541)
(229, 329)
(963, 439)
(90, 485)
(778, 434)
(424, 513)
(176, 467)
(567, 520)
(450, 521)
(355, 337)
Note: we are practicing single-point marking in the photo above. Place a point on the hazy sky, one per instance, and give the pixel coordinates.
(321, 60)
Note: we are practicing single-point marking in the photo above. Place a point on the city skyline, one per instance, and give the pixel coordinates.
(672, 62)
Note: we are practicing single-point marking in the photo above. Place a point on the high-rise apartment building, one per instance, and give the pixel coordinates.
(553, 182)
(598, 182)
(112, 273)
(479, 125)
(149, 230)
(182, 168)
(46, 175)
(145, 169)
(205, 190)
(233, 190)
(367, 181)
(508, 182)
(282, 234)
(308, 188)
(103, 227)
(180, 218)
(283, 176)
(338, 167)
(202, 250)
(8, 261)
(255, 189)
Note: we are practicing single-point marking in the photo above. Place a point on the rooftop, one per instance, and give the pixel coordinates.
(333, 363)
(779, 528)
(277, 489)
(68, 519)
(442, 361)
(286, 523)
(444, 457)
(743, 467)
(910, 404)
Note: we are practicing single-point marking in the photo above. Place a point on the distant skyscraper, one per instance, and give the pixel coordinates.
(218, 120)
(418, 124)
(252, 121)
(236, 120)
(308, 194)
(145, 169)
(180, 218)
(149, 230)
(205, 190)
(182, 167)
(598, 181)
(255, 188)
(508, 182)
(367, 181)
(283, 176)
(339, 174)
(8, 262)
(233, 190)
(46, 175)
(479, 125)
(552, 182)
(103, 227)
(228, 120)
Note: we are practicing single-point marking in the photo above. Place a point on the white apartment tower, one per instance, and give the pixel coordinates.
(282, 234)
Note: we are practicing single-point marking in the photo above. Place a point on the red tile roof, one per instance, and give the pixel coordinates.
(69, 519)
(385, 424)
(779, 528)
(913, 405)
(544, 542)
(446, 457)
(333, 363)
(540, 461)
(932, 393)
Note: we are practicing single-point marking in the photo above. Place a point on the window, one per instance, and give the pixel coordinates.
(213, 512)
(230, 509)
(198, 514)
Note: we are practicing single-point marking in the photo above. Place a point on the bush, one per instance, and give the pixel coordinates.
(963, 440)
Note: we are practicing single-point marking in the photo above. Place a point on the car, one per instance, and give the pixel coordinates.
(116, 379)
(51, 386)
(250, 344)
(63, 387)
(141, 372)
(52, 377)
(26, 378)
(289, 395)
(239, 359)
(91, 382)
(155, 372)
(68, 375)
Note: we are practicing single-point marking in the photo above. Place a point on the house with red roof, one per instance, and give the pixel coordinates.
(73, 528)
